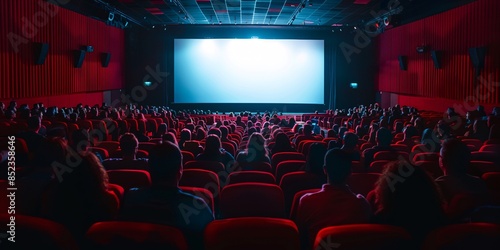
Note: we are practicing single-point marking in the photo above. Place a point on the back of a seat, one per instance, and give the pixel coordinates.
(362, 236)
(130, 178)
(483, 236)
(252, 200)
(250, 176)
(251, 233)
(134, 235)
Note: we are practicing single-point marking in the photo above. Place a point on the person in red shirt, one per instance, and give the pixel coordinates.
(334, 204)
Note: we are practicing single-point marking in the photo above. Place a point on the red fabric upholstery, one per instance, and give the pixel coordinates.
(289, 166)
(362, 236)
(203, 193)
(251, 233)
(425, 156)
(362, 183)
(130, 178)
(296, 200)
(36, 233)
(284, 156)
(101, 151)
(464, 236)
(431, 167)
(187, 156)
(292, 183)
(378, 166)
(252, 200)
(202, 179)
(146, 146)
(110, 146)
(135, 235)
(250, 176)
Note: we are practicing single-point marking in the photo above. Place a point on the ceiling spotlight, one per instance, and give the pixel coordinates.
(153, 26)
(111, 16)
(340, 29)
(355, 27)
(220, 22)
(387, 21)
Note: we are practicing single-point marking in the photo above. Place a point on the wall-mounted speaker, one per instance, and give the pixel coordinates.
(437, 58)
(79, 57)
(40, 52)
(105, 57)
(403, 62)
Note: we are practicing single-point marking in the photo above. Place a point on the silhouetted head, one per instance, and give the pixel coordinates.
(384, 137)
(165, 164)
(128, 144)
(337, 166)
(455, 157)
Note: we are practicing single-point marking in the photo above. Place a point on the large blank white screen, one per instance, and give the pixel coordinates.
(248, 71)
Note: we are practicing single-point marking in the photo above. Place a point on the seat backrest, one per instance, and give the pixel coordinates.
(129, 178)
(284, 156)
(378, 166)
(289, 166)
(362, 183)
(251, 233)
(362, 236)
(213, 166)
(147, 146)
(464, 236)
(187, 156)
(203, 193)
(490, 148)
(390, 155)
(229, 147)
(35, 233)
(425, 156)
(431, 167)
(252, 200)
(253, 166)
(132, 235)
(250, 176)
(294, 182)
(101, 151)
(202, 179)
(296, 201)
(110, 146)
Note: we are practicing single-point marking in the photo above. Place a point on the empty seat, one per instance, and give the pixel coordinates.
(187, 156)
(202, 179)
(362, 236)
(251, 233)
(213, 166)
(483, 236)
(425, 156)
(35, 233)
(130, 178)
(296, 200)
(132, 235)
(146, 146)
(253, 166)
(292, 183)
(250, 176)
(378, 166)
(110, 146)
(252, 200)
(284, 156)
(203, 193)
(289, 166)
(362, 183)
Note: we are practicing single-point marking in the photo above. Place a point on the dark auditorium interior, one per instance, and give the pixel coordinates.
(250, 124)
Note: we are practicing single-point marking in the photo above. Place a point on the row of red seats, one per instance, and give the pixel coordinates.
(245, 233)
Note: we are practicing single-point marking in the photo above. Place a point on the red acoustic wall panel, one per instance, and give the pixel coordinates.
(25, 22)
(452, 32)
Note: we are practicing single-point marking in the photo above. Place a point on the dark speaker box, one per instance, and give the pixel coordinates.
(403, 62)
(477, 56)
(40, 51)
(79, 57)
(105, 57)
(436, 58)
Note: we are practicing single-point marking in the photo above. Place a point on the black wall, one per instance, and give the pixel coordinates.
(149, 56)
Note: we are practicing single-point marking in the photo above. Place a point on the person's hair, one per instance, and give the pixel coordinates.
(80, 140)
(89, 177)
(200, 134)
(315, 159)
(185, 135)
(169, 137)
(350, 140)
(256, 146)
(331, 133)
(34, 122)
(384, 137)
(165, 162)
(337, 164)
(224, 132)
(212, 145)
(455, 156)
(128, 144)
(410, 131)
(408, 197)
(215, 131)
(251, 130)
(398, 127)
(162, 129)
(52, 150)
(281, 142)
(308, 129)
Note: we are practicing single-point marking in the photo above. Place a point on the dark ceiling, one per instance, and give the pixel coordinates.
(338, 13)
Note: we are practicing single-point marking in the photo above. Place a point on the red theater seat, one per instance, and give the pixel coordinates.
(482, 236)
(285, 156)
(292, 183)
(286, 167)
(362, 183)
(252, 200)
(362, 236)
(203, 193)
(202, 179)
(130, 178)
(251, 234)
(296, 200)
(35, 233)
(134, 235)
(250, 176)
